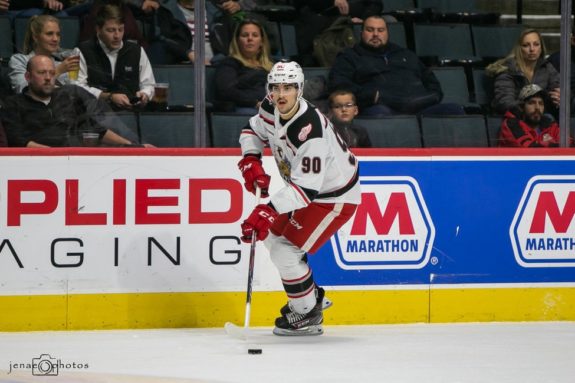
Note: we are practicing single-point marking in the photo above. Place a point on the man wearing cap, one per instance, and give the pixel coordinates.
(528, 126)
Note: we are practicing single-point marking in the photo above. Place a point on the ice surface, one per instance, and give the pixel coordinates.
(537, 352)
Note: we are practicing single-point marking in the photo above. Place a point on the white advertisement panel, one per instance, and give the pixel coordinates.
(124, 224)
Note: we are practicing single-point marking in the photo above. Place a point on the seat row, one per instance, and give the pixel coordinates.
(391, 132)
(177, 129)
(473, 92)
(477, 43)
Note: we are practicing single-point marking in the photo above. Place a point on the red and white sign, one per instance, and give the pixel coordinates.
(543, 229)
(123, 224)
(391, 229)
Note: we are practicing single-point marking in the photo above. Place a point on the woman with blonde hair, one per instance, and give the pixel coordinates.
(42, 38)
(526, 64)
(242, 76)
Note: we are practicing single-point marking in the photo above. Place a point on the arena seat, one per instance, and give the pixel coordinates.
(493, 42)
(226, 129)
(168, 129)
(7, 40)
(392, 132)
(454, 131)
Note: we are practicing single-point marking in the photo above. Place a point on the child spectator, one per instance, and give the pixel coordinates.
(343, 110)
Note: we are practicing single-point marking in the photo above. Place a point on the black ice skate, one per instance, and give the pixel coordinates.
(294, 324)
(325, 301)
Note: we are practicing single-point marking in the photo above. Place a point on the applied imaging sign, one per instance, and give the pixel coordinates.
(543, 230)
(391, 229)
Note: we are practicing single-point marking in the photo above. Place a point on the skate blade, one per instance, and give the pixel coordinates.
(306, 331)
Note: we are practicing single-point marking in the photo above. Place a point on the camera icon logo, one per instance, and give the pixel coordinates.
(44, 365)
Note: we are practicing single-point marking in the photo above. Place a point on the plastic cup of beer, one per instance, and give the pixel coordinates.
(90, 139)
(160, 98)
(73, 73)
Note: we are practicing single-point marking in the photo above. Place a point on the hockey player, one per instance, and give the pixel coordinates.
(320, 193)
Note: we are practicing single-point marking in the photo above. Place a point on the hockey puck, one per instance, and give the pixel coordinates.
(254, 351)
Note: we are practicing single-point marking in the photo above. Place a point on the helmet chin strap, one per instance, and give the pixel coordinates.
(292, 111)
(287, 115)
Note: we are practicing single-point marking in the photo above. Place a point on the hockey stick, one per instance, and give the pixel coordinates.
(231, 329)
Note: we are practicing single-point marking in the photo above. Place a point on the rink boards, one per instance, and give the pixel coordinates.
(116, 238)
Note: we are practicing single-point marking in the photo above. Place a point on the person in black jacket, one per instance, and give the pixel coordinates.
(113, 69)
(317, 15)
(386, 78)
(241, 77)
(27, 8)
(44, 116)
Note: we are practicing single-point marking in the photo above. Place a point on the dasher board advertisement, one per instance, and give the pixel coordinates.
(83, 223)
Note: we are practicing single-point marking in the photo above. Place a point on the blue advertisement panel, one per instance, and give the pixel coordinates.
(447, 220)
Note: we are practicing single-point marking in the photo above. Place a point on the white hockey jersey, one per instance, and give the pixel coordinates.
(313, 160)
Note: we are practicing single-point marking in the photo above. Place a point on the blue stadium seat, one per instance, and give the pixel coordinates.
(493, 127)
(226, 129)
(482, 88)
(458, 11)
(181, 78)
(130, 129)
(7, 40)
(167, 129)
(493, 42)
(288, 40)
(453, 82)
(392, 132)
(444, 44)
(396, 5)
(454, 131)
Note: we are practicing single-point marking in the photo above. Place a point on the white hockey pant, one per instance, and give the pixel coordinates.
(294, 271)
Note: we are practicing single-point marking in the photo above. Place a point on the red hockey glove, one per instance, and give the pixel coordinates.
(253, 172)
(260, 221)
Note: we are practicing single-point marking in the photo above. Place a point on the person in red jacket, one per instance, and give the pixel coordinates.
(527, 125)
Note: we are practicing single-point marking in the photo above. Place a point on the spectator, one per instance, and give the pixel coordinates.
(112, 69)
(317, 15)
(527, 125)
(241, 78)
(4, 5)
(79, 8)
(555, 60)
(525, 64)
(5, 88)
(28, 8)
(44, 116)
(343, 109)
(42, 38)
(131, 29)
(173, 25)
(386, 78)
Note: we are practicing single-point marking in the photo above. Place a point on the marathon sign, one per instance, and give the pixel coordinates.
(543, 230)
(391, 229)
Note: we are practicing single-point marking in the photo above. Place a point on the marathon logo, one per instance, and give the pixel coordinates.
(391, 228)
(543, 229)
